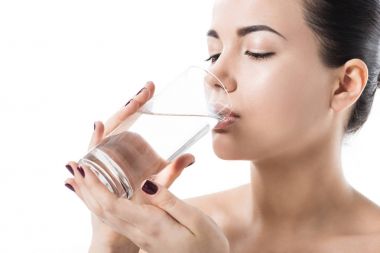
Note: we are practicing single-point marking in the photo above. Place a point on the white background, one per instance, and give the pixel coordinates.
(65, 64)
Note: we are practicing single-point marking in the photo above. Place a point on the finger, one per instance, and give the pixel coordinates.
(71, 185)
(102, 213)
(81, 191)
(130, 108)
(110, 203)
(134, 221)
(97, 135)
(119, 210)
(141, 224)
(169, 174)
(183, 213)
(143, 95)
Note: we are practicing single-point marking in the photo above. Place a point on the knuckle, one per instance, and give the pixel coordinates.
(155, 231)
(152, 225)
(168, 202)
(154, 228)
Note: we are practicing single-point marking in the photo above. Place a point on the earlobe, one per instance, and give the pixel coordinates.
(350, 85)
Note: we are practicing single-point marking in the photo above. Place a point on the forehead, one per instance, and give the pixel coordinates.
(285, 16)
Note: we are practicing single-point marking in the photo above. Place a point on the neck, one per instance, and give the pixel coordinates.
(299, 187)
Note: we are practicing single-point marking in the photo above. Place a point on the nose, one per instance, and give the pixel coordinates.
(218, 89)
(213, 82)
(221, 77)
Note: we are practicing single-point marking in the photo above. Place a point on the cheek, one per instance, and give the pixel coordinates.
(293, 100)
(281, 108)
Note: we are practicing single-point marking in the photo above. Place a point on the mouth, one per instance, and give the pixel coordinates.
(227, 119)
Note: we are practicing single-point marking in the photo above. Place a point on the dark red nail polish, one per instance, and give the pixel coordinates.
(68, 167)
(70, 187)
(81, 171)
(140, 91)
(149, 187)
(128, 102)
(190, 164)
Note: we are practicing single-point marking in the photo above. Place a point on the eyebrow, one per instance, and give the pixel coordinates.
(241, 32)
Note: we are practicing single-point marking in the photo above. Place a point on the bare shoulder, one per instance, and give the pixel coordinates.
(211, 203)
(368, 214)
(364, 233)
(225, 206)
(369, 243)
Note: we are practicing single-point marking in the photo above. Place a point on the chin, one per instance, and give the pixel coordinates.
(225, 148)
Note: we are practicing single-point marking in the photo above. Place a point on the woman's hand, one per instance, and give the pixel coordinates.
(163, 223)
(104, 238)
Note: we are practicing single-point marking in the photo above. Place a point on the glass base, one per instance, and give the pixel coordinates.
(108, 172)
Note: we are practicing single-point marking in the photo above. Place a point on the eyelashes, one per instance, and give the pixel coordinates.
(255, 56)
(259, 56)
(213, 58)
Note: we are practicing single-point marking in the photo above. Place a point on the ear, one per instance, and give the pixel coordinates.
(353, 77)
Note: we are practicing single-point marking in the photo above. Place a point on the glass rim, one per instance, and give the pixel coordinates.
(229, 105)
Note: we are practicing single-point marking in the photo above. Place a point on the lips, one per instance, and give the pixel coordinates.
(228, 118)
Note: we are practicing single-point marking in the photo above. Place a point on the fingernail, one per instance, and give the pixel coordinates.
(149, 187)
(140, 91)
(68, 167)
(128, 102)
(70, 187)
(81, 171)
(94, 126)
(190, 164)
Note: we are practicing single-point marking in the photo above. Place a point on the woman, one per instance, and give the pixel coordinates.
(302, 74)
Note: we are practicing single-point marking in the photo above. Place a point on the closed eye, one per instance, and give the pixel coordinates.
(213, 58)
(259, 56)
(255, 56)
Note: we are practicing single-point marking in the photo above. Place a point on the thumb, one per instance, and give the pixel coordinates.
(169, 174)
(182, 212)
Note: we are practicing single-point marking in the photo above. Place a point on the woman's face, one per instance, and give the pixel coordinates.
(282, 93)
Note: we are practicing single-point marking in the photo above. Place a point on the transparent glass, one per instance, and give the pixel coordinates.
(161, 130)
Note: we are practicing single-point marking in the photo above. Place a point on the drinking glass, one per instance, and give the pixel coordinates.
(161, 130)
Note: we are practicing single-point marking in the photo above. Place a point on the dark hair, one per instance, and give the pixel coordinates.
(349, 29)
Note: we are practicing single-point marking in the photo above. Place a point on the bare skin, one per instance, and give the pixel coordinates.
(352, 228)
(293, 110)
